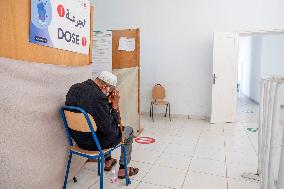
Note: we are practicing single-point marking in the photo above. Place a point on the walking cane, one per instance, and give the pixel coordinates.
(120, 125)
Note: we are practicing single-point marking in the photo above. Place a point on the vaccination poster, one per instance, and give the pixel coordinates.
(62, 24)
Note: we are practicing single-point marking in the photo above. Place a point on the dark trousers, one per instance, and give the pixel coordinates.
(128, 140)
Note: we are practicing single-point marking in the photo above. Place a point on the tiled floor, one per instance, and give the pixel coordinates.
(189, 154)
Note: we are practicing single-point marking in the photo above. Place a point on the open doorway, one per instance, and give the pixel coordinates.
(263, 47)
(260, 56)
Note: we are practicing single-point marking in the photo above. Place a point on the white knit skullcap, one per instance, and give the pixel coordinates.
(108, 77)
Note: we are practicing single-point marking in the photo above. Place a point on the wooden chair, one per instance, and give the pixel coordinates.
(77, 119)
(158, 98)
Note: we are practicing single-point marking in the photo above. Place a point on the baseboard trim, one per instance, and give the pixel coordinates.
(251, 99)
(198, 117)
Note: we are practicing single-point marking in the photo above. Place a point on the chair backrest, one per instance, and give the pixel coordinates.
(78, 119)
(158, 92)
(78, 122)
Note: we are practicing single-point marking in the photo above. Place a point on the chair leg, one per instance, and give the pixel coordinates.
(102, 173)
(166, 110)
(67, 170)
(127, 180)
(170, 112)
(153, 112)
(99, 166)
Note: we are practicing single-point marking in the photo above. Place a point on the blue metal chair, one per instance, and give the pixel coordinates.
(77, 119)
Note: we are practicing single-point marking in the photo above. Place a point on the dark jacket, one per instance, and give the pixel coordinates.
(89, 96)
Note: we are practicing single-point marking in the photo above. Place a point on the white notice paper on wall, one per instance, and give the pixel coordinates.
(102, 51)
(126, 44)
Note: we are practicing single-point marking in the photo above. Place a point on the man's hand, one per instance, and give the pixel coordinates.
(114, 98)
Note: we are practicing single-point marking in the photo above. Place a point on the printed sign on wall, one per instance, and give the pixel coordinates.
(63, 24)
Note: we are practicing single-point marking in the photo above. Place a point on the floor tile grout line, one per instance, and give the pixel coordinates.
(146, 172)
(92, 185)
(206, 173)
(196, 145)
(158, 165)
(158, 185)
(225, 158)
(251, 143)
(187, 171)
(205, 158)
(156, 159)
(152, 165)
(139, 182)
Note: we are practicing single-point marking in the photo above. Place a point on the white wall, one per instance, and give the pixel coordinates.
(272, 58)
(176, 41)
(256, 67)
(244, 67)
(250, 58)
(261, 57)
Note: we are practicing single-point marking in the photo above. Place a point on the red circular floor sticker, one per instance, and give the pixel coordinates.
(145, 140)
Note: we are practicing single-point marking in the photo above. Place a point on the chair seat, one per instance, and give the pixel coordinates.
(87, 152)
(160, 102)
(90, 153)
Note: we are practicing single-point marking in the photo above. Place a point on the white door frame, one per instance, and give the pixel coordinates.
(261, 32)
(252, 33)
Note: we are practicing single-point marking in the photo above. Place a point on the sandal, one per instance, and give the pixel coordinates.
(131, 171)
(113, 163)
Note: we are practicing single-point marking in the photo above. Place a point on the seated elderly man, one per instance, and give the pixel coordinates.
(100, 99)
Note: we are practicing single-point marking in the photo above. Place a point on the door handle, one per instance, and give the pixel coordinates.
(214, 79)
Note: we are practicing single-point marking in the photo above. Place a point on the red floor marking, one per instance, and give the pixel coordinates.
(145, 140)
